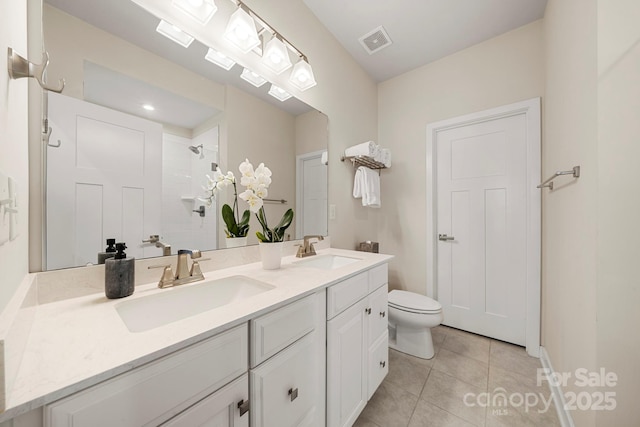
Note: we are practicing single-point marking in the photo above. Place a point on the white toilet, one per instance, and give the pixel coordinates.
(411, 317)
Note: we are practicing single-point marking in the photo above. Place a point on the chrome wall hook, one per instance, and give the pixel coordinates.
(19, 67)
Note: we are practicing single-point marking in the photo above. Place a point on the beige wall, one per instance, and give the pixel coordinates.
(311, 132)
(345, 93)
(569, 244)
(14, 144)
(618, 213)
(263, 134)
(500, 71)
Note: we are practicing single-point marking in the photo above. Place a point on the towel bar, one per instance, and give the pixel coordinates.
(549, 182)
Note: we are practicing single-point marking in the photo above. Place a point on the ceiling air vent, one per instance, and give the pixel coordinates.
(375, 40)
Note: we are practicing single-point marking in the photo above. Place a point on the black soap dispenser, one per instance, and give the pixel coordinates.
(108, 253)
(119, 274)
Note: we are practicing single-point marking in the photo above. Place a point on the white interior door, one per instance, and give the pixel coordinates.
(103, 181)
(311, 195)
(482, 227)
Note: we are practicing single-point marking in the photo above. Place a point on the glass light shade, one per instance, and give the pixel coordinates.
(279, 93)
(302, 76)
(220, 59)
(174, 33)
(200, 10)
(241, 31)
(276, 56)
(254, 78)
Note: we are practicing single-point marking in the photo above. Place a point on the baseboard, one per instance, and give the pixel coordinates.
(558, 396)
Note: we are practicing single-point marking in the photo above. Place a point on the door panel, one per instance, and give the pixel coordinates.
(481, 202)
(107, 162)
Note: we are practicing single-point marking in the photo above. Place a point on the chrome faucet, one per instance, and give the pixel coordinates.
(155, 238)
(183, 273)
(307, 249)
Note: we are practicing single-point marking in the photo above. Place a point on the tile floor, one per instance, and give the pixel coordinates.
(421, 393)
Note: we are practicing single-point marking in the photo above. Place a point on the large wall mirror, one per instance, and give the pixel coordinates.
(141, 123)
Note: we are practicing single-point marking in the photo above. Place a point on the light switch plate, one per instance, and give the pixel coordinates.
(332, 211)
(5, 215)
(13, 209)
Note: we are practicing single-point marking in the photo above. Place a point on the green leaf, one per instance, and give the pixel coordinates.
(261, 237)
(235, 229)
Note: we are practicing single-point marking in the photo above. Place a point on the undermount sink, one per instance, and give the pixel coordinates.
(179, 303)
(326, 262)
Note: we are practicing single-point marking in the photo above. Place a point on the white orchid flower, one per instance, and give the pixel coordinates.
(254, 202)
(263, 170)
(261, 191)
(230, 177)
(246, 168)
(248, 181)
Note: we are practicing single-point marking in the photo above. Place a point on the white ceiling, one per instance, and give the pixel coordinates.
(421, 31)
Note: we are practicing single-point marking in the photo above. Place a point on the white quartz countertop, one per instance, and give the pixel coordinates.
(79, 342)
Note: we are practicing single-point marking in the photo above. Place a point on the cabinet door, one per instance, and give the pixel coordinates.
(378, 322)
(347, 346)
(219, 409)
(284, 390)
(378, 363)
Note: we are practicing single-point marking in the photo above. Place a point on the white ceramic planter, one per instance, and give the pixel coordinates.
(271, 255)
(236, 242)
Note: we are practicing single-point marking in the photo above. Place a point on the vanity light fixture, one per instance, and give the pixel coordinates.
(302, 75)
(241, 30)
(200, 10)
(174, 33)
(220, 59)
(279, 93)
(252, 77)
(276, 55)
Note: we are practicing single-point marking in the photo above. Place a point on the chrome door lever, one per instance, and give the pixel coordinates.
(444, 237)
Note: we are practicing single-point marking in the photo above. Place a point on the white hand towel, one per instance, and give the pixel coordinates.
(358, 184)
(371, 188)
(368, 148)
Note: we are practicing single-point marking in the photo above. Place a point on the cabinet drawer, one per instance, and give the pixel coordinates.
(284, 390)
(280, 328)
(378, 321)
(378, 276)
(346, 293)
(217, 409)
(157, 391)
(378, 363)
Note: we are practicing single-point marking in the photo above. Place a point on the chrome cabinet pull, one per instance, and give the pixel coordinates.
(444, 237)
(293, 393)
(383, 364)
(383, 314)
(367, 310)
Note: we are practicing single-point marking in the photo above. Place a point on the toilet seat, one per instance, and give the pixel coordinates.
(413, 303)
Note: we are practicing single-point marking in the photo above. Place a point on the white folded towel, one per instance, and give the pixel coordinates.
(368, 148)
(385, 157)
(366, 185)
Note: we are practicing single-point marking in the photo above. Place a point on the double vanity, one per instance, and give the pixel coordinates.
(303, 345)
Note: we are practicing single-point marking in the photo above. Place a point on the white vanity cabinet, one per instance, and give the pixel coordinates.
(357, 343)
(200, 377)
(287, 376)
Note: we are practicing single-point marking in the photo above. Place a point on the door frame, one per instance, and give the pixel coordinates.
(300, 159)
(531, 110)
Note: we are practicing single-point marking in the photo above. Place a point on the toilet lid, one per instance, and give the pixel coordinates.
(412, 301)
